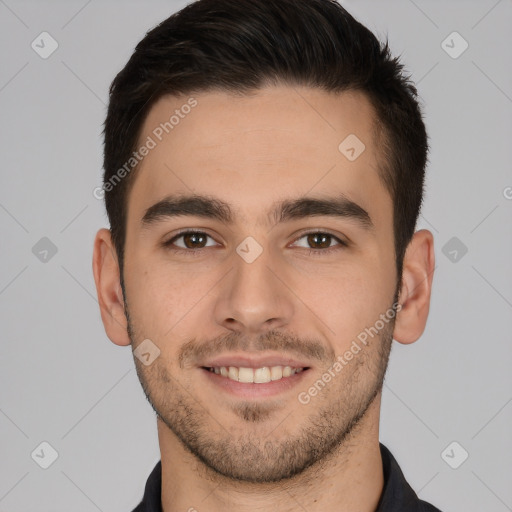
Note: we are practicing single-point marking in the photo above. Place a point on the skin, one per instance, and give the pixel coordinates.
(222, 451)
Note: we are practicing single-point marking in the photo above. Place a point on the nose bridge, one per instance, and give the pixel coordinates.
(252, 299)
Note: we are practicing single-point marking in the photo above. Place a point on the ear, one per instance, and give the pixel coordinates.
(415, 291)
(108, 287)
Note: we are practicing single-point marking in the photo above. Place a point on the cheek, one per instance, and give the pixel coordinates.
(347, 300)
(163, 299)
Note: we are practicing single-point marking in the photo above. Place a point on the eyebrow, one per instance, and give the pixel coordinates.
(283, 211)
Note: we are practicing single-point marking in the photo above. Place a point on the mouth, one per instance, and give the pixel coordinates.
(262, 375)
(254, 376)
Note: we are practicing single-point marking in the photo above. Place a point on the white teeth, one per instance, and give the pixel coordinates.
(233, 373)
(276, 372)
(262, 375)
(245, 375)
(255, 375)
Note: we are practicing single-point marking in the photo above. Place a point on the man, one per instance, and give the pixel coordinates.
(264, 169)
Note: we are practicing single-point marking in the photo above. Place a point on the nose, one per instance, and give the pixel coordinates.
(254, 298)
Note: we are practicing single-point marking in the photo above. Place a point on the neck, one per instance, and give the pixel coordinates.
(351, 478)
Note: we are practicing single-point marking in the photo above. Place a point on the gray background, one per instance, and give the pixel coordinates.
(62, 381)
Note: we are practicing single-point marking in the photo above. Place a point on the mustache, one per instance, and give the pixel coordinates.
(194, 351)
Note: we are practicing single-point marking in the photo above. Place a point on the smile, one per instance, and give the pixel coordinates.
(261, 375)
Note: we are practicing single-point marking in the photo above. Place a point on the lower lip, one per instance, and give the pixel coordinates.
(252, 389)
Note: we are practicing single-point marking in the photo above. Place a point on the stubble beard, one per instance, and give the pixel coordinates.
(320, 428)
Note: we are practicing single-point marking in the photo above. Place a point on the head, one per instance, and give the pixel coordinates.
(287, 137)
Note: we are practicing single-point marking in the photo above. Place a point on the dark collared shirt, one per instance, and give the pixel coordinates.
(397, 495)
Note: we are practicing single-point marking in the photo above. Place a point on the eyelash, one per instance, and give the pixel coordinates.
(197, 252)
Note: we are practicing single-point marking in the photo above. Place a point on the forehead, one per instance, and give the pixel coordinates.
(274, 142)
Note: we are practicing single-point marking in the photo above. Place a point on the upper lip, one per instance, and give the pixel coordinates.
(255, 361)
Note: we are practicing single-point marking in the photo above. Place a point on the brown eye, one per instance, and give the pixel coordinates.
(319, 240)
(189, 240)
(194, 240)
(319, 243)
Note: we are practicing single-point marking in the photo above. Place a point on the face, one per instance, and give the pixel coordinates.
(258, 256)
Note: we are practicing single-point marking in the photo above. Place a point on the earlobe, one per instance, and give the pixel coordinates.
(415, 292)
(108, 287)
